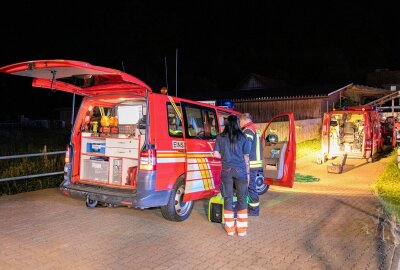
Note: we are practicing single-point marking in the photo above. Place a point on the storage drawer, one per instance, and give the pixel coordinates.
(122, 143)
(122, 152)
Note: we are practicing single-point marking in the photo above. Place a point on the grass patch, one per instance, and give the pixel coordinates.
(305, 178)
(308, 147)
(388, 187)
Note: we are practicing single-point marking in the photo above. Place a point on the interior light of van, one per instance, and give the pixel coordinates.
(122, 99)
(90, 108)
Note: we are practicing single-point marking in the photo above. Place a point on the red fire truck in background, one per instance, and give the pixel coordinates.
(133, 147)
(357, 131)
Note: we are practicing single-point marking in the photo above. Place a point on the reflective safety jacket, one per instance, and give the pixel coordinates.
(251, 132)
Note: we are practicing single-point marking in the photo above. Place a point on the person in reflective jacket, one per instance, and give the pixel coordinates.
(250, 130)
(233, 148)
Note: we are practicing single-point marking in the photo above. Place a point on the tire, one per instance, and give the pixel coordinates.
(176, 209)
(91, 203)
(260, 186)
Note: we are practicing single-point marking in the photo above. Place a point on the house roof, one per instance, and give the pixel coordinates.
(318, 91)
(256, 81)
(257, 87)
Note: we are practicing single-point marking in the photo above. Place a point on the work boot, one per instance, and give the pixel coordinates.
(254, 211)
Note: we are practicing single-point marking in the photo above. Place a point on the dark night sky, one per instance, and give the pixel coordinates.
(219, 43)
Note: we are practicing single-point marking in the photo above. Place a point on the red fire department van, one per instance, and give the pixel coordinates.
(355, 131)
(133, 147)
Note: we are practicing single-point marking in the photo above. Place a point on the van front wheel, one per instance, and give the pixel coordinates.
(176, 209)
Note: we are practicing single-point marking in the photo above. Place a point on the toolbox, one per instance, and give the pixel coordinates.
(95, 169)
(337, 167)
(96, 148)
(216, 208)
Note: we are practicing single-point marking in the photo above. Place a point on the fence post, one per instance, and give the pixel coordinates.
(45, 151)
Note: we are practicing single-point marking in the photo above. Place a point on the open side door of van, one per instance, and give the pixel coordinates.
(202, 168)
(279, 150)
(77, 77)
(325, 139)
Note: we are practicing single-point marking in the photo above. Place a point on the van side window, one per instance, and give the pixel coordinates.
(200, 122)
(222, 116)
(174, 122)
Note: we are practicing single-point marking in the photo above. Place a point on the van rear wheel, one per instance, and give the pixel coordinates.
(91, 203)
(176, 209)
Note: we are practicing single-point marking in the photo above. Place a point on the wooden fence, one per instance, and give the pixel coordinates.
(308, 129)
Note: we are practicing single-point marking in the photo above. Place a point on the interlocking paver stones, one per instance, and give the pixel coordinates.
(331, 224)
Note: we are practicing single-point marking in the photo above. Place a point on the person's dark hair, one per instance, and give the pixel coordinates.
(232, 130)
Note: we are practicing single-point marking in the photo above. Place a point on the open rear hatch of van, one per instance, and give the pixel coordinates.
(77, 77)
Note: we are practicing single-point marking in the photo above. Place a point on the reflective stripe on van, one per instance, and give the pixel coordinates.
(199, 175)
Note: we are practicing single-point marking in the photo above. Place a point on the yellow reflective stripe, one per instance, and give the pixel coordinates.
(256, 164)
(254, 204)
(258, 156)
(178, 112)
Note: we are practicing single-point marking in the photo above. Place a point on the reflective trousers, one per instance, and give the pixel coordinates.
(254, 199)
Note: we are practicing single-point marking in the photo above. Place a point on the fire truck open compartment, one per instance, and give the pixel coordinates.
(110, 135)
(346, 133)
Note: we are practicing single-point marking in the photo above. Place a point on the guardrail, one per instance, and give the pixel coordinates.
(33, 175)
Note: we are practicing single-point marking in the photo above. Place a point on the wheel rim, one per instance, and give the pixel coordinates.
(90, 202)
(260, 186)
(181, 208)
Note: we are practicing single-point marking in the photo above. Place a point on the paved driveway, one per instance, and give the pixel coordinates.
(332, 224)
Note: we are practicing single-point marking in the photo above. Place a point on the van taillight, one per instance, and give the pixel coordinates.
(148, 160)
(68, 154)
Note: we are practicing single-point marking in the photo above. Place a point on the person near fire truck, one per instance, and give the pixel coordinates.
(251, 132)
(233, 148)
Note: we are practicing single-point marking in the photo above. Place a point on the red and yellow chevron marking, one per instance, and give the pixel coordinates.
(205, 173)
(199, 176)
